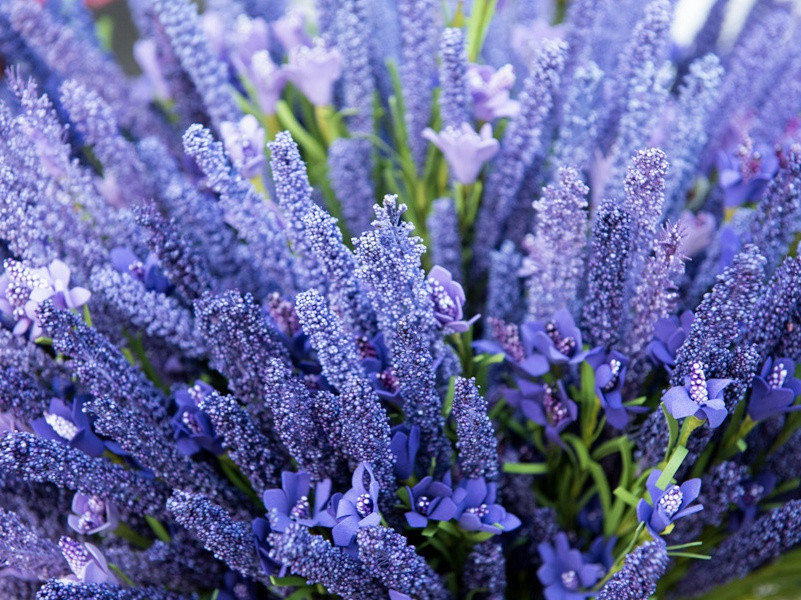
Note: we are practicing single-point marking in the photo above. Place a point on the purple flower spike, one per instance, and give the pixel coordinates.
(68, 424)
(297, 500)
(477, 510)
(465, 150)
(557, 342)
(92, 514)
(405, 443)
(315, 69)
(744, 174)
(610, 374)
(86, 561)
(668, 505)
(774, 389)
(698, 396)
(244, 144)
(448, 296)
(669, 334)
(358, 507)
(490, 91)
(564, 572)
(545, 404)
(431, 499)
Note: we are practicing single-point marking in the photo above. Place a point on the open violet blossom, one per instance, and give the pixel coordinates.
(148, 271)
(699, 229)
(376, 363)
(267, 78)
(490, 89)
(610, 374)
(249, 35)
(744, 174)
(556, 342)
(23, 289)
(92, 514)
(315, 69)
(192, 428)
(86, 561)
(299, 501)
(465, 150)
(290, 30)
(669, 334)
(667, 505)
(431, 499)
(774, 390)
(244, 143)
(449, 299)
(698, 396)
(358, 507)
(565, 573)
(546, 404)
(68, 424)
(478, 510)
(404, 443)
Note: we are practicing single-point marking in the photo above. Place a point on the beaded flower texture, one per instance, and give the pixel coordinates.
(399, 300)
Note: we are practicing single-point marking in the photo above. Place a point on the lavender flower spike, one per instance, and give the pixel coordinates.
(353, 43)
(454, 108)
(478, 449)
(349, 162)
(485, 570)
(465, 150)
(59, 590)
(25, 553)
(641, 570)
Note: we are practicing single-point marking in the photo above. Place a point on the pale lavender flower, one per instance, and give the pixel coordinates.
(267, 79)
(465, 150)
(290, 30)
(244, 144)
(86, 561)
(315, 69)
(250, 35)
(145, 52)
(698, 231)
(92, 514)
(449, 299)
(490, 90)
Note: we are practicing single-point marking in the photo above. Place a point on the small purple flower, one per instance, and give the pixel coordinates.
(602, 552)
(465, 150)
(756, 490)
(148, 272)
(557, 342)
(261, 530)
(545, 404)
(315, 69)
(92, 514)
(668, 505)
(358, 507)
(490, 91)
(610, 373)
(564, 572)
(449, 299)
(744, 174)
(86, 561)
(244, 144)
(145, 53)
(528, 37)
(68, 424)
(192, 428)
(297, 500)
(669, 334)
(250, 35)
(774, 390)
(267, 78)
(290, 30)
(698, 231)
(698, 396)
(405, 442)
(23, 289)
(477, 510)
(377, 365)
(431, 499)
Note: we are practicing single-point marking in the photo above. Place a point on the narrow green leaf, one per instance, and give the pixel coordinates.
(518, 468)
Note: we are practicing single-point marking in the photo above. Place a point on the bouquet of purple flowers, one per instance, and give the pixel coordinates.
(402, 300)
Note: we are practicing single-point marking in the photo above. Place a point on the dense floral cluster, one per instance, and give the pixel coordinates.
(399, 300)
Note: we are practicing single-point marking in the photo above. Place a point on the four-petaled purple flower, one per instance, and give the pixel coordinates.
(465, 150)
(315, 69)
(298, 500)
(477, 509)
(669, 334)
(744, 174)
(376, 363)
(564, 572)
(490, 91)
(698, 396)
(244, 143)
(92, 514)
(610, 373)
(192, 428)
(546, 404)
(405, 442)
(431, 499)
(774, 390)
(448, 296)
(358, 507)
(148, 272)
(68, 424)
(86, 561)
(557, 342)
(667, 505)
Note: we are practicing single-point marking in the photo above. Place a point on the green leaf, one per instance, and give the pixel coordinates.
(158, 529)
(678, 456)
(518, 468)
(289, 580)
(447, 404)
(627, 497)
